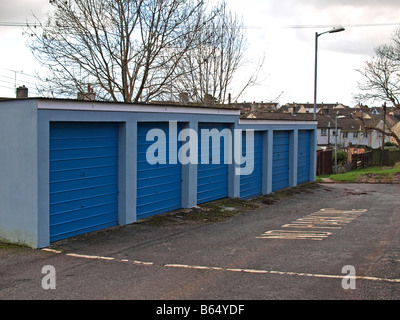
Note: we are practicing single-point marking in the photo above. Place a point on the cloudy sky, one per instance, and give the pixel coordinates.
(281, 30)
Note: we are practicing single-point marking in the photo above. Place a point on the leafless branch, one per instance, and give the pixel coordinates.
(388, 131)
(128, 50)
(208, 71)
(381, 74)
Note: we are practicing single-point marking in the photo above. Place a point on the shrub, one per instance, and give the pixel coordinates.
(341, 156)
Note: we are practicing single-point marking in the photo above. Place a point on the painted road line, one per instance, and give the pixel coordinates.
(221, 269)
(85, 256)
(308, 226)
(137, 262)
(143, 263)
(185, 266)
(294, 235)
(285, 273)
(328, 218)
(51, 250)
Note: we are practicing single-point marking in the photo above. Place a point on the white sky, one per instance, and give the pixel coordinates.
(289, 52)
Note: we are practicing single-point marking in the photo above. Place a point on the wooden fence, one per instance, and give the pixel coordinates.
(374, 158)
(361, 160)
(324, 162)
(389, 157)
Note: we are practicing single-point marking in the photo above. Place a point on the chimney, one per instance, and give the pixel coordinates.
(209, 100)
(89, 96)
(184, 98)
(22, 92)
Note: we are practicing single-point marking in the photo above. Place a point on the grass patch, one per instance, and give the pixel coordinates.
(378, 173)
(9, 246)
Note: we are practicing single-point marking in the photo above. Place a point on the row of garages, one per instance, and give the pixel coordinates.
(72, 167)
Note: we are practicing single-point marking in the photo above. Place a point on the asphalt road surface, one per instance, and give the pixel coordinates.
(329, 241)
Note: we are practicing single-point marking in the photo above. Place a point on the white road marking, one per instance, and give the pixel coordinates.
(88, 256)
(294, 235)
(51, 250)
(85, 256)
(143, 263)
(323, 219)
(251, 271)
(330, 219)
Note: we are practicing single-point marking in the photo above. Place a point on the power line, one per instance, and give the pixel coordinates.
(20, 24)
(17, 80)
(7, 82)
(19, 72)
(7, 87)
(11, 88)
(344, 25)
(10, 83)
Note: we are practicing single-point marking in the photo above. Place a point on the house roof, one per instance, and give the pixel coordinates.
(325, 121)
(391, 120)
(282, 116)
(335, 106)
(371, 123)
(350, 124)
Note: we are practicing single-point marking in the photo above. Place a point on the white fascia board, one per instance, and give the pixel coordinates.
(276, 122)
(115, 107)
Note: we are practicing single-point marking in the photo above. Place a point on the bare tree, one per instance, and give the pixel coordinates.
(128, 50)
(208, 70)
(381, 74)
(387, 130)
(381, 79)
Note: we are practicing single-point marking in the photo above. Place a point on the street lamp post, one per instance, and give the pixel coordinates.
(317, 35)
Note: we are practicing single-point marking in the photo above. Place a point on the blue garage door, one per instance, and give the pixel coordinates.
(83, 178)
(280, 163)
(212, 179)
(251, 185)
(159, 186)
(304, 151)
